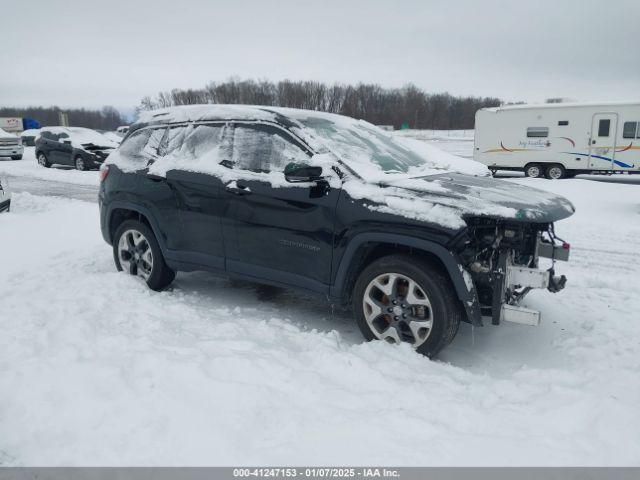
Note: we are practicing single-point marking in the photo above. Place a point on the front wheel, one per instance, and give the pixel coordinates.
(79, 163)
(136, 251)
(407, 299)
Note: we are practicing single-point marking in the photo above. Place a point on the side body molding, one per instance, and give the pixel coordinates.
(460, 278)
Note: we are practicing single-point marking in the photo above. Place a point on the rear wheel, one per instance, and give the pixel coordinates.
(533, 170)
(407, 299)
(136, 251)
(555, 172)
(43, 160)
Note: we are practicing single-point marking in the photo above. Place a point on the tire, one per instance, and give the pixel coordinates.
(434, 300)
(79, 163)
(43, 160)
(533, 170)
(17, 157)
(137, 239)
(555, 171)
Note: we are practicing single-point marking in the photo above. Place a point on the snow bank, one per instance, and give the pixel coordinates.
(95, 369)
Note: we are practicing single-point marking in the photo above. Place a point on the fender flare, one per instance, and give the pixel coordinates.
(125, 205)
(461, 279)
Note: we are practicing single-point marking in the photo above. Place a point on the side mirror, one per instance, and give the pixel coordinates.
(300, 173)
(67, 142)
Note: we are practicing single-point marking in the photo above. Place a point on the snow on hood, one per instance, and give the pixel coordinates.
(447, 199)
(4, 134)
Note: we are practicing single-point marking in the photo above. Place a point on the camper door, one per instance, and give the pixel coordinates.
(602, 146)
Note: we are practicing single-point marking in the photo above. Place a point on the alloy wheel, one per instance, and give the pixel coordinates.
(397, 309)
(533, 171)
(555, 173)
(79, 163)
(134, 254)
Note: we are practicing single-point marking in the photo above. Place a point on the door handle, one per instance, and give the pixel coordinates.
(155, 178)
(236, 189)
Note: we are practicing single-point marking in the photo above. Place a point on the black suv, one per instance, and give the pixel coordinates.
(331, 205)
(79, 147)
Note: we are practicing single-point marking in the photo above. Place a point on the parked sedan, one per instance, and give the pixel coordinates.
(81, 148)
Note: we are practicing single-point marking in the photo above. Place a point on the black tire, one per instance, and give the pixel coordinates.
(79, 163)
(445, 312)
(555, 171)
(533, 170)
(161, 275)
(43, 160)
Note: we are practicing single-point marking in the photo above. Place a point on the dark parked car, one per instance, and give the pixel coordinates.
(79, 147)
(331, 205)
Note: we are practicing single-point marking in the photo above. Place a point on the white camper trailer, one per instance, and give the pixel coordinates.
(559, 139)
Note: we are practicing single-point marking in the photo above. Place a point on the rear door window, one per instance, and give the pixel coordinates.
(134, 145)
(263, 148)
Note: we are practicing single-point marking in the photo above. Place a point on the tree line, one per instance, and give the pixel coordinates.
(408, 106)
(107, 118)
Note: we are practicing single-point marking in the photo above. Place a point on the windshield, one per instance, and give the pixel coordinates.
(362, 145)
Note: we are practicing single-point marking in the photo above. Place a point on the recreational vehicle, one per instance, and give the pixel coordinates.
(559, 140)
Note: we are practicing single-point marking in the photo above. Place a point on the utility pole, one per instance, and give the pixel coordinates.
(63, 119)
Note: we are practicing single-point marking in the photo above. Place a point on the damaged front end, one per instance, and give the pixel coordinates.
(501, 258)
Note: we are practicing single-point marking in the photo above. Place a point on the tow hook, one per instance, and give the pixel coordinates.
(556, 283)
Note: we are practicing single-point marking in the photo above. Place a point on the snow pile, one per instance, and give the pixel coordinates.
(95, 369)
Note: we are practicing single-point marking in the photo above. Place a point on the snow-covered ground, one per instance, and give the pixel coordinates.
(97, 369)
(457, 142)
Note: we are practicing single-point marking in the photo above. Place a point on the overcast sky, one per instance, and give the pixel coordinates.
(111, 52)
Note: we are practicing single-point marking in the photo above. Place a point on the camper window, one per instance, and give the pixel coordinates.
(603, 127)
(537, 132)
(629, 130)
(563, 123)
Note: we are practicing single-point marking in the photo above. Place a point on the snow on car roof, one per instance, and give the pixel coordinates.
(82, 135)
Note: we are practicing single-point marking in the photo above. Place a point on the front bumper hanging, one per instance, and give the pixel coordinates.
(513, 282)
